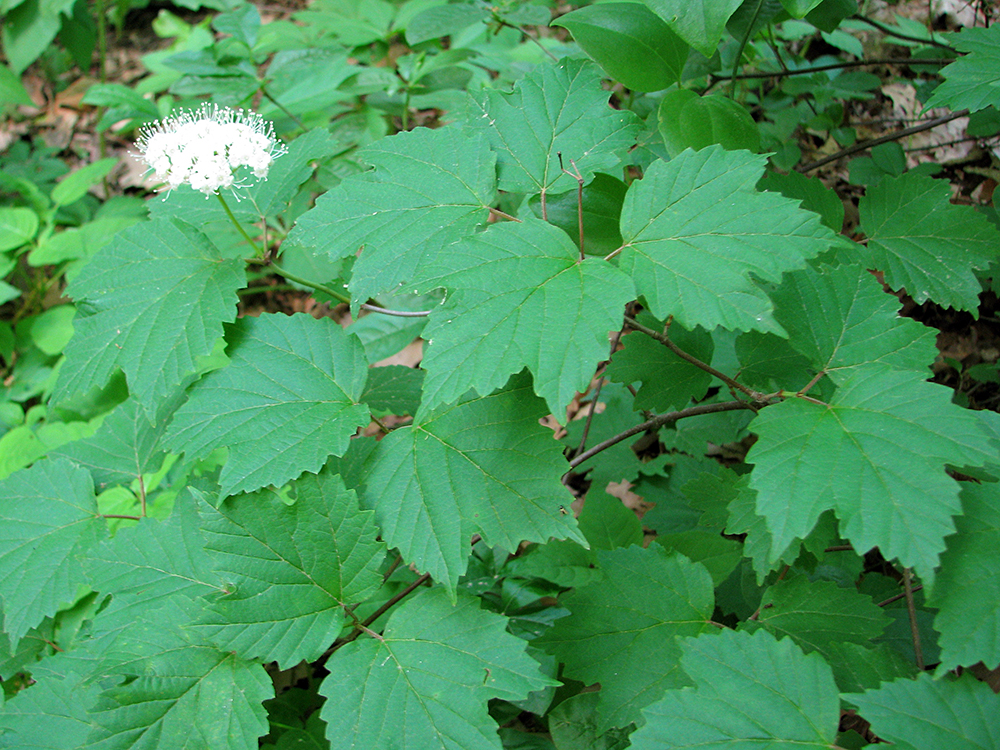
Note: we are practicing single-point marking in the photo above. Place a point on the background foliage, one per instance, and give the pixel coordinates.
(233, 515)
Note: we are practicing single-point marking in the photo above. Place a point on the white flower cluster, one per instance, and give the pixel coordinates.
(205, 147)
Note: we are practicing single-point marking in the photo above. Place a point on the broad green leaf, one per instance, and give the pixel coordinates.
(51, 714)
(751, 692)
(842, 320)
(125, 446)
(799, 8)
(48, 522)
(555, 109)
(972, 81)
(602, 208)
(428, 188)
(818, 614)
(76, 184)
(875, 455)
(11, 88)
(623, 629)
(442, 20)
(574, 724)
(273, 195)
(17, 225)
(700, 23)
(483, 465)
(150, 303)
(927, 713)
(719, 555)
(629, 42)
(692, 226)
(435, 667)
(668, 382)
(923, 243)
(394, 389)
(295, 568)
(287, 400)
(967, 591)
(815, 195)
(527, 300)
(856, 667)
(198, 698)
(688, 120)
(607, 523)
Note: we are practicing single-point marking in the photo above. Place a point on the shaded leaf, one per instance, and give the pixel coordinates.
(699, 22)
(971, 81)
(622, 630)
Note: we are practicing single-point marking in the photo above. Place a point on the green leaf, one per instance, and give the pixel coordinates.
(527, 301)
(51, 714)
(875, 455)
(442, 20)
(483, 465)
(925, 244)
(295, 568)
(602, 208)
(48, 522)
(700, 23)
(198, 698)
(394, 389)
(967, 591)
(12, 91)
(842, 321)
(752, 692)
(957, 714)
(150, 303)
(428, 189)
(818, 614)
(29, 28)
(692, 226)
(607, 523)
(288, 399)
(719, 555)
(668, 382)
(623, 629)
(688, 120)
(971, 82)
(76, 184)
(125, 446)
(437, 665)
(555, 109)
(799, 8)
(629, 42)
(815, 196)
(17, 226)
(856, 667)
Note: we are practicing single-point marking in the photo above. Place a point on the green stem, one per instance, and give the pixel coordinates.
(743, 44)
(313, 285)
(239, 227)
(279, 105)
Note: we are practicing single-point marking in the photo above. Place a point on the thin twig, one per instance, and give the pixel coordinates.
(897, 597)
(597, 395)
(864, 145)
(525, 32)
(899, 35)
(665, 340)
(364, 626)
(116, 515)
(911, 611)
(656, 423)
(785, 72)
(503, 215)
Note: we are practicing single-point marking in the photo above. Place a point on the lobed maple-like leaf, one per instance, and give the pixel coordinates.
(483, 465)
(295, 567)
(288, 399)
(150, 303)
(967, 591)
(818, 614)
(841, 319)
(427, 189)
(971, 82)
(876, 455)
(425, 683)
(48, 522)
(923, 243)
(555, 109)
(927, 713)
(198, 698)
(752, 691)
(527, 300)
(692, 226)
(623, 629)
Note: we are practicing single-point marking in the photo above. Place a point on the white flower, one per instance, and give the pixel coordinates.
(204, 148)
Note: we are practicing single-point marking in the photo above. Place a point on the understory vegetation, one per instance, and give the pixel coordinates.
(520, 375)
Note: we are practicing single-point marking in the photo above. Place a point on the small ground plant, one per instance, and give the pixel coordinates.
(224, 530)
